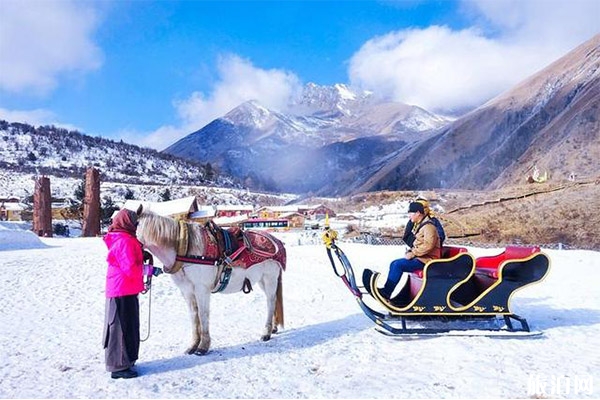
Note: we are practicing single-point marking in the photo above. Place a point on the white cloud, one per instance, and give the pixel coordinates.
(39, 40)
(158, 139)
(239, 81)
(31, 117)
(447, 70)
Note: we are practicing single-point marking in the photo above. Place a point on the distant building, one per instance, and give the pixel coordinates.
(178, 209)
(11, 209)
(295, 219)
(312, 212)
(318, 211)
(234, 210)
(203, 215)
(227, 222)
(61, 210)
(274, 211)
(235, 215)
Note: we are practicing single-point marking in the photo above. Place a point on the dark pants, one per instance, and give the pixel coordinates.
(397, 267)
(121, 332)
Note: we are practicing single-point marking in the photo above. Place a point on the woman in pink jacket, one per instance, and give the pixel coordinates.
(124, 281)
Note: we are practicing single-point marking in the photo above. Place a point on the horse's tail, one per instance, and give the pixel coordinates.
(279, 302)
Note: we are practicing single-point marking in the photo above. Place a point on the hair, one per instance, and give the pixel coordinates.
(415, 206)
(157, 229)
(164, 232)
(425, 202)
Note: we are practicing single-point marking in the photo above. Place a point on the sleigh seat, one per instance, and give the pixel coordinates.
(490, 265)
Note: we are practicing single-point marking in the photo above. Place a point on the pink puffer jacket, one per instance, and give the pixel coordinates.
(124, 275)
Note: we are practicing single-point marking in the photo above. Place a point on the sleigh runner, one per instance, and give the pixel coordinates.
(453, 290)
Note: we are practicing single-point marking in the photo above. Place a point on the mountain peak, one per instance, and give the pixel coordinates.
(344, 92)
(318, 100)
(249, 113)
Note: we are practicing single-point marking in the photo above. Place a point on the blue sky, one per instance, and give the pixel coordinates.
(151, 72)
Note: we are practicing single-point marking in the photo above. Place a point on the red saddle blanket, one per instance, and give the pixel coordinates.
(243, 248)
(252, 247)
(255, 247)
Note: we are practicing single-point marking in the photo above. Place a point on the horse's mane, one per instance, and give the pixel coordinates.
(162, 231)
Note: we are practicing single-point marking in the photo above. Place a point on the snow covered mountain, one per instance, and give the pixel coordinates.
(291, 150)
(549, 122)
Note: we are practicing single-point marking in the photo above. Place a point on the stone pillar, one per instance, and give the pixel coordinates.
(42, 207)
(91, 204)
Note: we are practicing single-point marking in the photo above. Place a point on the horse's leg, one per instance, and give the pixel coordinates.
(193, 310)
(187, 290)
(278, 317)
(203, 301)
(268, 283)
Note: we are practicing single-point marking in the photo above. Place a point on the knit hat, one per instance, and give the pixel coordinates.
(416, 206)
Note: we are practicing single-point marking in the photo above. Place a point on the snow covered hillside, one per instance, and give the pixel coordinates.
(58, 152)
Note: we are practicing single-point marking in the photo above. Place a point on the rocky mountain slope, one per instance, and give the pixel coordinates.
(327, 132)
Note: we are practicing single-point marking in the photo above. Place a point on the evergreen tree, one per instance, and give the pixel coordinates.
(166, 195)
(129, 195)
(209, 172)
(75, 209)
(107, 209)
(80, 192)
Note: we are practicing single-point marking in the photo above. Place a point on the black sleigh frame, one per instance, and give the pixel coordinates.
(457, 287)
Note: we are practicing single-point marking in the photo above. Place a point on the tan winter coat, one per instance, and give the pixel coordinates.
(427, 243)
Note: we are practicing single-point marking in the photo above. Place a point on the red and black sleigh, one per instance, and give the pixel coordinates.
(452, 289)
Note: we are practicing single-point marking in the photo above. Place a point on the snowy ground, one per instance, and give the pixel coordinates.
(52, 296)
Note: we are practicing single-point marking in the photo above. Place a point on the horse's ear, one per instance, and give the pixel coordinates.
(139, 210)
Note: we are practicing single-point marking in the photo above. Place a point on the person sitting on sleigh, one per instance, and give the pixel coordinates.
(425, 247)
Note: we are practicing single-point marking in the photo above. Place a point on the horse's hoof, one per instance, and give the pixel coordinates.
(265, 338)
(274, 330)
(200, 352)
(191, 350)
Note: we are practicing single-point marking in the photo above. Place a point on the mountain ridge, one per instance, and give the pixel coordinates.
(272, 149)
(60, 152)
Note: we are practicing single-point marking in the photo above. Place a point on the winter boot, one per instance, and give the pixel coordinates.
(125, 374)
(387, 289)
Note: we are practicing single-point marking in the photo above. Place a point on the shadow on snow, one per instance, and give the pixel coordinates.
(300, 338)
(540, 317)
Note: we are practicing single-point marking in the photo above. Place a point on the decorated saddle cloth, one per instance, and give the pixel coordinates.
(259, 247)
(246, 248)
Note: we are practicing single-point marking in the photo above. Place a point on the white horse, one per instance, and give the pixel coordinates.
(165, 237)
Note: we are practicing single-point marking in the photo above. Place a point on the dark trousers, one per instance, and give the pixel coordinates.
(121, 332)
(397, 267)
